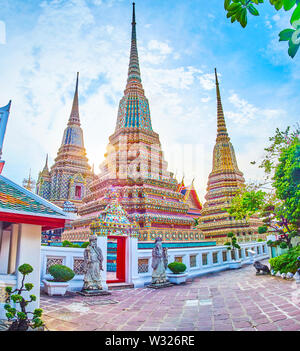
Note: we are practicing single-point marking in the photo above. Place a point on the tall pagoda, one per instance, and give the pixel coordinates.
(134, 168)
(66, 183)
(224, 181)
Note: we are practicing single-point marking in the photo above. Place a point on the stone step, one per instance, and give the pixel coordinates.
(119, 286)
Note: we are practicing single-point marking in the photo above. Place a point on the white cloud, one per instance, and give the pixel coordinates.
(207, 81)
(161, 47)
(206, 99)
(245, 112)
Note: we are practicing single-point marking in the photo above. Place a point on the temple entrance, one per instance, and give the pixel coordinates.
(116, 251)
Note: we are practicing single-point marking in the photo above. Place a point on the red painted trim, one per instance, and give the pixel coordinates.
(46, 222)
(121, 257)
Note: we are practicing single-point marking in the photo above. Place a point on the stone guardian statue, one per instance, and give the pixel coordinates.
(93, 260)
(159, 264)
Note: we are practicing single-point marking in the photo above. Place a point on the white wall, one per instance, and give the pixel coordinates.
(140, 279)
(27, 238)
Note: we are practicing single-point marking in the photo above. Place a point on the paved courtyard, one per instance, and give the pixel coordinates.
(229, 300)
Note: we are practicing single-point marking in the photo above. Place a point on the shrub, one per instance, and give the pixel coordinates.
(287, 262)
(84, 245)
(283, 245)
(19, 316)
(67, 243)
(262, 230)
(61, 273)
(177, 267)
(259, 240)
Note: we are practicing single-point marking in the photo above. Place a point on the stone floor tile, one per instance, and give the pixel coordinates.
(239, 301)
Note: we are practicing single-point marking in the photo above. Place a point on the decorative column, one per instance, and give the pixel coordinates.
(102, 244)
(132, 275)
(29, 252)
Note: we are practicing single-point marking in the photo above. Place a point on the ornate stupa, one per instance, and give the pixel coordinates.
(114, 220)
(224, 181)
(66, 182)
(29, 183)
(135, 168)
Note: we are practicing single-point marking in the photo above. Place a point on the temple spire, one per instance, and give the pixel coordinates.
(134, 111)
(74, 116)
(46, 169)
(134, 75)
(222, 130)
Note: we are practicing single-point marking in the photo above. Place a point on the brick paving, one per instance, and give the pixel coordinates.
(225, 301)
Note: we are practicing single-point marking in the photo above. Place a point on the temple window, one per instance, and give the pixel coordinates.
(204, 259)
(233, 254)
(193, 262)
(215, 257)
(143, 265)
(78, 192)
(178, 259)
(240, 253)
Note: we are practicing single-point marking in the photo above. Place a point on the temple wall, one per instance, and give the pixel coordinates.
(199, 261)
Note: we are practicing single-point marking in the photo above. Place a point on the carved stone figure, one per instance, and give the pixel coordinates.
(159, 263)
(261, 267)
(93, 259)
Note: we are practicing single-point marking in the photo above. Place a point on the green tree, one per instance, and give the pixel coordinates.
(238, 10)
(279, 207)
(19, 318)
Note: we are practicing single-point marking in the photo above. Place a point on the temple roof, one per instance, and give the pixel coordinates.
(20, 205)
(191, 197)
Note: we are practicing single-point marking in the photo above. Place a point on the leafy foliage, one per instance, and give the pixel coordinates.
(232, 244)
(287, 262)
(61, 273)
(287, 182)
(177, 267)
(67, 243)
(279, 207)
(237, 10)
(20, 320)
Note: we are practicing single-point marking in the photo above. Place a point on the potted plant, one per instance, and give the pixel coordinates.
(18, 317)
(177, 276)
(59, 284)
(231, 246)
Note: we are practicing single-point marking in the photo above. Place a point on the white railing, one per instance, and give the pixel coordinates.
(67, 256)
(198, 261)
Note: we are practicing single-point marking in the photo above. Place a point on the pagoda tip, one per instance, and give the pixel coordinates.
(216, 75)
(133, 13)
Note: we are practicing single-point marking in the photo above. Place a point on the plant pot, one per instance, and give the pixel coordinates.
(177, 278)
(55, 288)
(235, 265)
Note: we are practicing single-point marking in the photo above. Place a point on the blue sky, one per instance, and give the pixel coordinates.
(180, 43)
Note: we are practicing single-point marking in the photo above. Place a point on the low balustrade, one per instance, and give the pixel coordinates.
(199, 261)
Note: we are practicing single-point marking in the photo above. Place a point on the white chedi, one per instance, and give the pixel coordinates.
(283, 275)
(289, 275)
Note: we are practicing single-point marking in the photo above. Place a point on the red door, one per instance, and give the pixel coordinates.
(119, 276)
